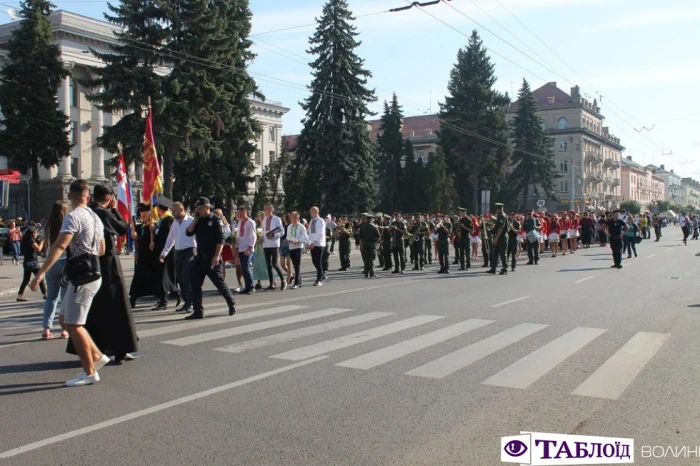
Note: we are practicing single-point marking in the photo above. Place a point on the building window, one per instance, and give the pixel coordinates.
(544, 126)
(74, 167)
(562, 123)
(73, 92)
(258, 157)
(272, 130)
(73, 139)
(138, 172)
(272, 156)
(428, 133)
(420, 155)
(564, 186)
(564, 166)
(563, 145)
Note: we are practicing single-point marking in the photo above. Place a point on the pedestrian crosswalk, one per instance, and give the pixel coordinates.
(607, 381)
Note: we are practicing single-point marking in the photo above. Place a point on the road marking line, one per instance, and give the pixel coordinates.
(302, 332)
(617, 373)
(384, 355)
(264, 325)
(669, 249)
(651, 255)
(153, 409)
(212, 321)
(511, 301)
(354, 338)
(529, 369)
(460, 359)
(584, 279)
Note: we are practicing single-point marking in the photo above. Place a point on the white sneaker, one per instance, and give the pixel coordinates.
(131, 356)
(99, 364)
(83, 379)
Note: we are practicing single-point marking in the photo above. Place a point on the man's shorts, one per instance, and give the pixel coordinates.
(77, 301)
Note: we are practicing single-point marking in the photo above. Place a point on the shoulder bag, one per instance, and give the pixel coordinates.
(83, 268)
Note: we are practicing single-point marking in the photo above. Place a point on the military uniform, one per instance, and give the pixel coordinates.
(513, 232)
(209, 232)
(456, 235)
(465, 225)
(500, 244)
(387, 243)
(417, 248)
(443, 246)
(378, 222)
(369, 235)
(325, 259)
(398, 250)
(429, 241)
(486, 241)
(344, 232)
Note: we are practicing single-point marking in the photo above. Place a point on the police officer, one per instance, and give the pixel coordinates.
(444, 231)
(500, 241)
(209, 232)
(369, 235)
(513, 232)
(398, 228)
(466, 227)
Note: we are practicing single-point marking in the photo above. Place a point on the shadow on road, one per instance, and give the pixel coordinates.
(39, 367)
(19, 389)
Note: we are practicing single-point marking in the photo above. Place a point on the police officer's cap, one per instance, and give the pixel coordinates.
(203, 201)
(364, 215)
(164, 202)
(378, 215)
(498, 204)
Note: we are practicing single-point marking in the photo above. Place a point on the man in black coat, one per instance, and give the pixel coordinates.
(165, 283)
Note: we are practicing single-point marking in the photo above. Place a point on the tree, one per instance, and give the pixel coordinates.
(335, 158)
(440, 193)
(271, 181)
(390, 152)
(533, 157)
(202, 116)
(413, 195)
(631, 206)
(34, 131)
(474, 132)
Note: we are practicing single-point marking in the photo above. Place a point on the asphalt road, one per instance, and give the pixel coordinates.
(418, 369)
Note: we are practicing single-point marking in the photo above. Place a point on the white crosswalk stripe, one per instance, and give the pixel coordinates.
(460, 359)
(302, 332)
(618, 372)
(384, 355)
(526, 371)
(354, 338)
(229, 332)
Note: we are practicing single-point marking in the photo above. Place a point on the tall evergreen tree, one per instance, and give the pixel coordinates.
(413, 195)
(335, 155)
(440, 193)
(533, 157)
(34, 131)
(474, 106)
(390, 152)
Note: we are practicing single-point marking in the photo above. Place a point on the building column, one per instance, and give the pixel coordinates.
(64, 101)
(98, 154)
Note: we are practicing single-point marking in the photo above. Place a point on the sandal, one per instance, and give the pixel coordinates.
(21, 299)
(47, 336)
(64, 335)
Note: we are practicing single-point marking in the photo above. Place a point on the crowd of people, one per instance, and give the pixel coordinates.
(175, 251)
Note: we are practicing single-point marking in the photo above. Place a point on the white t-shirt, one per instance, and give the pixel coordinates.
(87, 230)
(682, 221)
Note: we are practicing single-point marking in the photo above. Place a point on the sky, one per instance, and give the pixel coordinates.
(634, 56)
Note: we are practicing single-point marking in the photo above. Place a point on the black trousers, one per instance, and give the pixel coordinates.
(418, 253)
(326, 257)
(616, 246)
(428, 251)
(486, 250)
(498, 251)
(399, 256)
(317, 259)
(272, 261)
(387, 254)
(295, 255)
(512, 251)
(443, 250)
(28, 271)
(458, 248)
(465, 253)
(368, 255)
(533, 252)
(201, 267)
(629, 245)
(657, 232)
(183, 272)
(344, 250)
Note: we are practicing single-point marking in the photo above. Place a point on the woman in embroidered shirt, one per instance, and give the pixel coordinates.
(296, 237)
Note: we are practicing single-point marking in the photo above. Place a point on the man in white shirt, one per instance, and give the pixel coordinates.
(272, 232)
(184, 253)
(247, 236)
(317, 243)
(683, 223)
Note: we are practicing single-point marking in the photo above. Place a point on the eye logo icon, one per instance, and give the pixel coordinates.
(515, 448)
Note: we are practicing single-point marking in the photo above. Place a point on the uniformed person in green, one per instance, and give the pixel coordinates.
(428, 239)
(485, 233)
(418, 230)
(379, 223)
(443, 229)
(466, 227)
(456, 233)
(513, 233)
(369, 235)
(387, 243)
(500, 241)
(398, 228)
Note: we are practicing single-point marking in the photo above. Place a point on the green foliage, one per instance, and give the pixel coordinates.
(34, 131)
(631, 206)
(440, 193)
(474, 106)
(413, 194)
(335, 160)
(533, 158)
(390, 152)
(202, 116)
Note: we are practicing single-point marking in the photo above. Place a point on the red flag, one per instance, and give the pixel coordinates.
(152, 184)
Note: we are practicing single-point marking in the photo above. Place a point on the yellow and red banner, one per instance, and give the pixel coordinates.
(152, 182)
